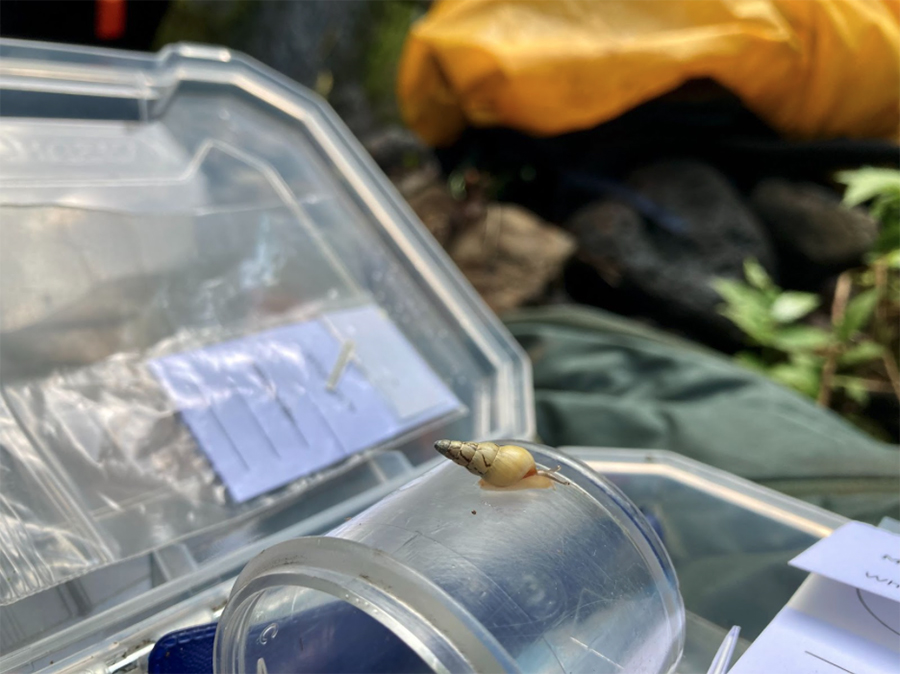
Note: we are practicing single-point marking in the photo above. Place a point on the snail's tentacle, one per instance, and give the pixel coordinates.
(552, 474)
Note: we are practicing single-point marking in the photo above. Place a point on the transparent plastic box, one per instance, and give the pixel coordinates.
(703, 516)
(152, 205)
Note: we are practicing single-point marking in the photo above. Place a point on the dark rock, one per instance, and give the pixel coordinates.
(642, 267)
(722, 231)
(809, 220)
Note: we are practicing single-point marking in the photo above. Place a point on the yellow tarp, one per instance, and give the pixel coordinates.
(810, 68)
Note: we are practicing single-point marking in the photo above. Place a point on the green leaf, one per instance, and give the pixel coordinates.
(891, 259)
(859, 311)
(861, 353)
(747, 308)
(737, 293)
(789, 306)
(889, 237)
(866, 183)
(757, 327)
(855, 389)
(801, 338)
(757, 275)
(751, 361)
(810, 360)
(801, 376)
(456, 183)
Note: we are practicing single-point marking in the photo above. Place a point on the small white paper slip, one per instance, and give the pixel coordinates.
(828, 628)
(275, 406)
(845, 620)
(859, 555)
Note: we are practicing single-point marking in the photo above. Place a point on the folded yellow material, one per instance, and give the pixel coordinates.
(809, 68)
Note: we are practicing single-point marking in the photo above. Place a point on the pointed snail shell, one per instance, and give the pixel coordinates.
(500, 466)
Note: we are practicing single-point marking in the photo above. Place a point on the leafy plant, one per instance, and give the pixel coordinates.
(842, 358)
(882, 188)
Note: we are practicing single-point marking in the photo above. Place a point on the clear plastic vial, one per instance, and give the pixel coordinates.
(445, 576)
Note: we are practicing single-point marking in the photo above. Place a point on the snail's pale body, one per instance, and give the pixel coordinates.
(506, 466)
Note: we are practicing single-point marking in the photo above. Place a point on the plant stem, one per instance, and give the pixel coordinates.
(891, 366)
(880, 283)
(838, 306)
(880, 328)
(871, 385)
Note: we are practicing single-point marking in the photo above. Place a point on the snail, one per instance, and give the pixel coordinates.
(506, 466)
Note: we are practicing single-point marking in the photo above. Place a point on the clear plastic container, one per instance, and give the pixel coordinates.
(703, 515)
(153, 204)
(444, 575)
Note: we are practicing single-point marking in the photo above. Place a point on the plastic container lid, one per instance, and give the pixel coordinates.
(159, 205)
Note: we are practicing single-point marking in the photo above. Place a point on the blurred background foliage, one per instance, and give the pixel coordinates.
(822, 321)
(847, 354)
(687, 213)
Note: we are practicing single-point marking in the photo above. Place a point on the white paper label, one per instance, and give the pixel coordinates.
(828, 628)
(277, 405)
(859, 555)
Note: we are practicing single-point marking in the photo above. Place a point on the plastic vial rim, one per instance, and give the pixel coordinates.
(344, 569)
(400, 598)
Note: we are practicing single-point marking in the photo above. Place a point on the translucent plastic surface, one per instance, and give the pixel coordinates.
(153, 204)
(704, 516)
(566, 579)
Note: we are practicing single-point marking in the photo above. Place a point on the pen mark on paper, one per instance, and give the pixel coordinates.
(829, 662)
(872, 613)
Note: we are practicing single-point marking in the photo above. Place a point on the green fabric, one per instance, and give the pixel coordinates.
(601, 380)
